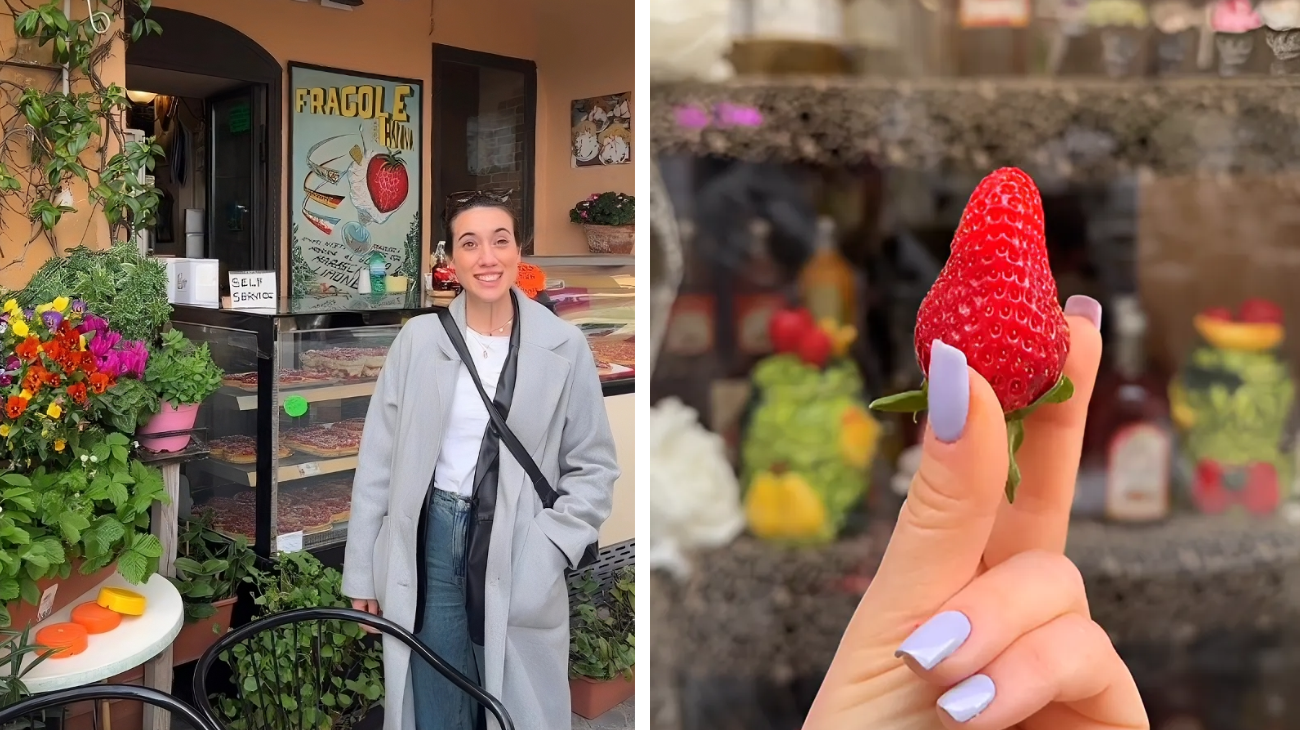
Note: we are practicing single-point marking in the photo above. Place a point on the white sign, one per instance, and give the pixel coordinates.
(253, 289)
(290, 542)
(47, 602)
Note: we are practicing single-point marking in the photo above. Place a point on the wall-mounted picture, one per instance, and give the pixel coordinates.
(356, 152)
(601, 131)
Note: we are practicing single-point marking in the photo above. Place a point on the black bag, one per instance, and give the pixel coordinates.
(480, 530)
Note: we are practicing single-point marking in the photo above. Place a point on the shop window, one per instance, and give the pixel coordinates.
(485, 122)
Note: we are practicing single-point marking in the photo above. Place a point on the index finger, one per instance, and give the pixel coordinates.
(1049, 457)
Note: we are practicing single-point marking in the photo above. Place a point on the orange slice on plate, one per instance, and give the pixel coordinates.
(65, 639)
(96, 618)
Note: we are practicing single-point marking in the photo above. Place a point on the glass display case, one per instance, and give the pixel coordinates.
(285, 427)
(598, 294)
(1172, 201)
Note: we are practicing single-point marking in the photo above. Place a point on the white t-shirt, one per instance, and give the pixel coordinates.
(468, 418)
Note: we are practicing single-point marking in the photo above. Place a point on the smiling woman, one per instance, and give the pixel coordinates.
(501, 617)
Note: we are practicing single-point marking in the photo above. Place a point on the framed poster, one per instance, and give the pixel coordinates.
(356, 158)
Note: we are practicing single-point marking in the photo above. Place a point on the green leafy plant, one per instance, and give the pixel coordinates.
(76, 135)
(210, 567)
(602, 640)
(345, 680)
(118, 284)
(605, 209)
(92, 504)
(180, 371)
(15, 649)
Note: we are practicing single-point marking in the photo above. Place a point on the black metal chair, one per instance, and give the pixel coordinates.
(284, 691)
(101, 693)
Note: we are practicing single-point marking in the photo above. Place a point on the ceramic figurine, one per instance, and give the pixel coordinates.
(1231, 402)
(1282, 34)
(808, 441)
(1235, 23)
(1122, 24)
(1178, 25)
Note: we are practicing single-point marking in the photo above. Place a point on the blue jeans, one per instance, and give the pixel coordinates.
(439, 704)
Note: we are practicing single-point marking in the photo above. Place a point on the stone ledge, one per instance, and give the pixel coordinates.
(1082, 128)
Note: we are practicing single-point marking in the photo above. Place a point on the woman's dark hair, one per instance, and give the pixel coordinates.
(458, 203)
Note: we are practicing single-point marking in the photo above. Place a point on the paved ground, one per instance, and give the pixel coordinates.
(620, 718)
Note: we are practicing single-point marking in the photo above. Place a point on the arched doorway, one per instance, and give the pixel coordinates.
(212, 72)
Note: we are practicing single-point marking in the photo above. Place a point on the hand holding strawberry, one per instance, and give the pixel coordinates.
(997, 303)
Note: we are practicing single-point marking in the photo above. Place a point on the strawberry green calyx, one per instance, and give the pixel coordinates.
(915, 401)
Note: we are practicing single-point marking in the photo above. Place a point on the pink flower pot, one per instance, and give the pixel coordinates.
(170, 418)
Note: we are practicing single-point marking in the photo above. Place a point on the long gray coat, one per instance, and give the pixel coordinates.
(558, 413)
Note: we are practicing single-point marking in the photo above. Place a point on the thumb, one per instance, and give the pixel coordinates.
(953, 500)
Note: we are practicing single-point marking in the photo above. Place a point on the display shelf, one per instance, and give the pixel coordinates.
(246, 400)
(1078, 127)
(290, 469)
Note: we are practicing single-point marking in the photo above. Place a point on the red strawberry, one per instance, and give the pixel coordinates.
(1260, 311)
(996, 301)
(787, 328)
(815, 347)
(387, 181)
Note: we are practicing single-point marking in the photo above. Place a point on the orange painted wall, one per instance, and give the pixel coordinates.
(387, 37)
(395, 37)
(585, 48)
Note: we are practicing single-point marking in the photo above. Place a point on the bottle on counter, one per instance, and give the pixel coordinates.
(378, 270)
(826, 283)
(444, 278)
(1135, 432)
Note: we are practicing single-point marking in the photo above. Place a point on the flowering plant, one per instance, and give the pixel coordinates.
(58, 366)
(605, 209)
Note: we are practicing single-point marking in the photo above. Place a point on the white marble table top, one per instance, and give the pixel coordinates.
(135, 641)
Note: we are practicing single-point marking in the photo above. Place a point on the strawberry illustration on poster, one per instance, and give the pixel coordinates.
(356, 147)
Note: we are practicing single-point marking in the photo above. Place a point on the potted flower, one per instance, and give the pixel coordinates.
(74, 504)
(602, 645)
(210, 567)
(183, 375)
(608, 221)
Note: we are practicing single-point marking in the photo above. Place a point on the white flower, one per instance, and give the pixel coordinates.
(694, 494)
(94, 459)
(84, 458)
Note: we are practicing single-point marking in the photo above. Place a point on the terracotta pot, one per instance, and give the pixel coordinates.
(592, 698)
(170, 418)
(195, 638)
(610, 239)
(22, 613)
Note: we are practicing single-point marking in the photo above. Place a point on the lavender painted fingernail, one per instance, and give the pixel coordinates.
(1086, 307)
(936, 639)
(968, 699)
(949, 394)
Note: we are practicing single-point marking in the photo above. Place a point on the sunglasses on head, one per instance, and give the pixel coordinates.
(467, 198)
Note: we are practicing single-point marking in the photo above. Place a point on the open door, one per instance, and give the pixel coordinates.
(239, 227)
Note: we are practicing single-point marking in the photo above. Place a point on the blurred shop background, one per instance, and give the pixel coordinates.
(812, 160)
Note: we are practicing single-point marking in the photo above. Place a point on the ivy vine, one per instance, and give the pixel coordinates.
(78, 134)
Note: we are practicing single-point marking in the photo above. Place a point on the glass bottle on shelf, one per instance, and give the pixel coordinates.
(444, 278)
(826, 283)
(789, 37)
(1135, 436)
(994, 37)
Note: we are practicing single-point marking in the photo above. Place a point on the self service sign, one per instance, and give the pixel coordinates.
(253, 290)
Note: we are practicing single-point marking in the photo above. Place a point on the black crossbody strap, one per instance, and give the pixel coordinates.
(547, 494)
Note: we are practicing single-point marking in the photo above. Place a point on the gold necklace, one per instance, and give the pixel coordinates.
(498, 330)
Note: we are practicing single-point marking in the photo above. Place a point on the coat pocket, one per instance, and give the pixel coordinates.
(379, 561)
(538, 596)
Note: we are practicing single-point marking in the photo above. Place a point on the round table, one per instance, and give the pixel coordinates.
(137, 640)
